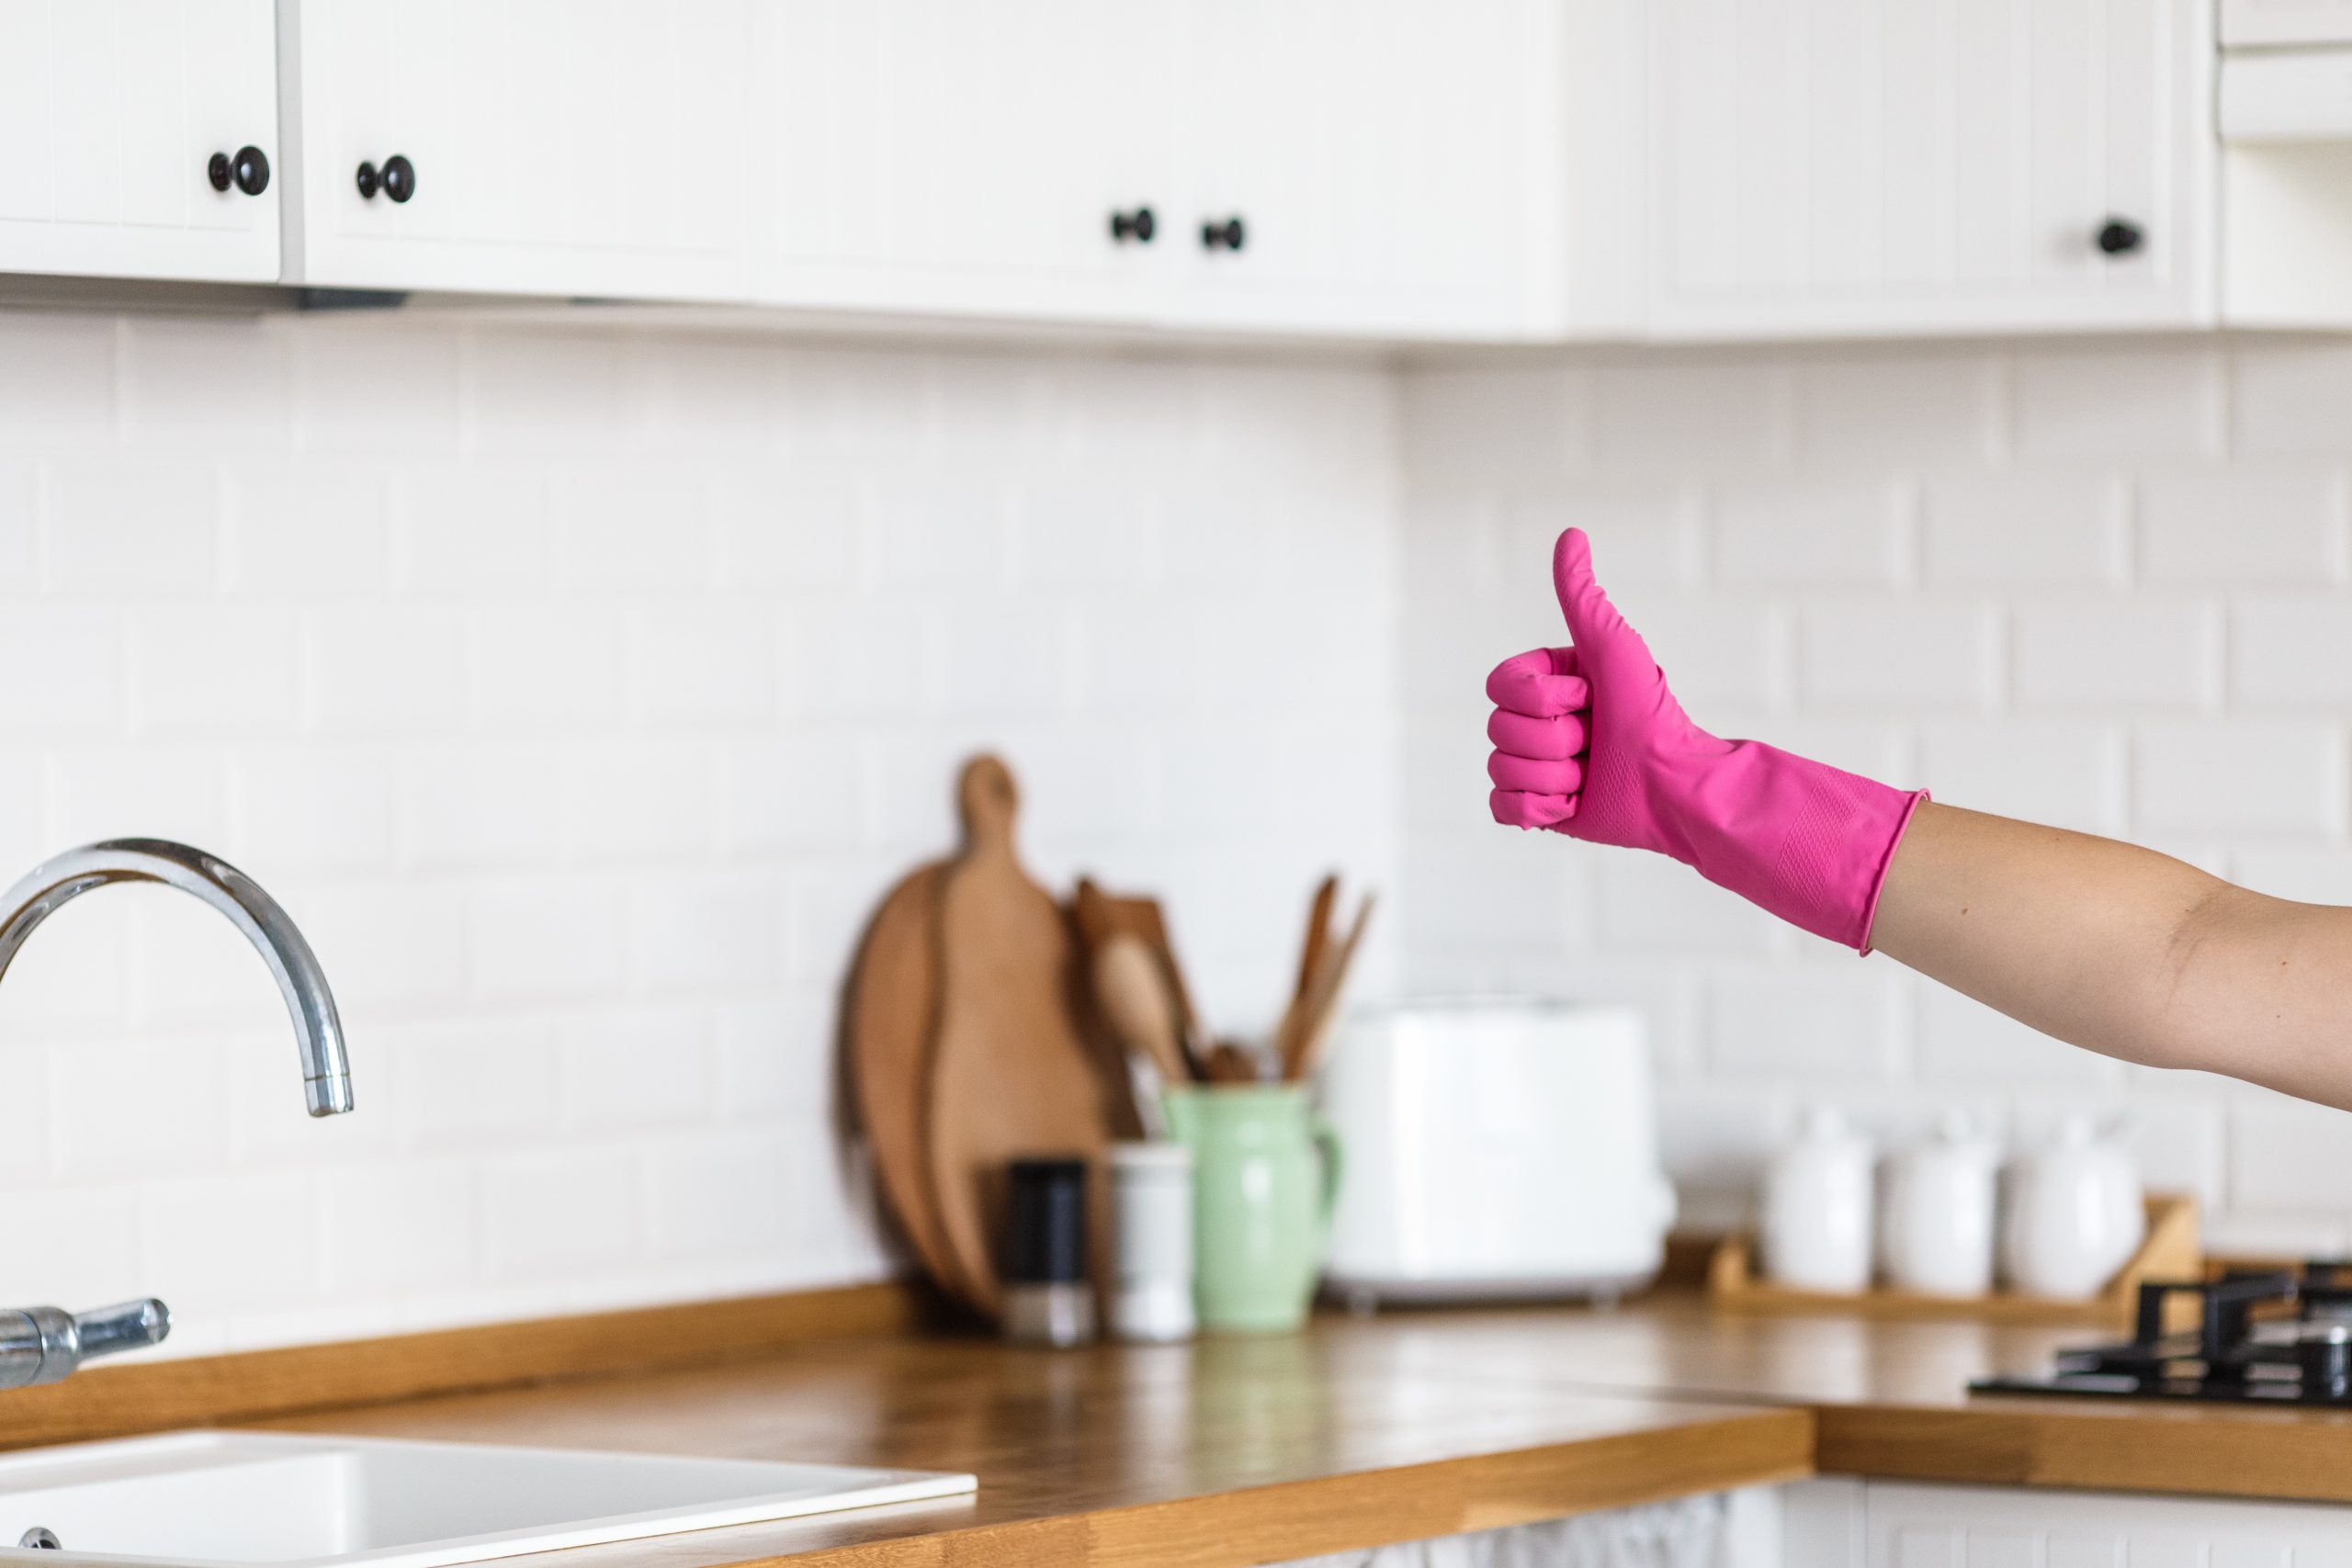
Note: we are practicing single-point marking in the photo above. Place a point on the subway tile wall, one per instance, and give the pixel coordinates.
(2097, 584)
(579, 692)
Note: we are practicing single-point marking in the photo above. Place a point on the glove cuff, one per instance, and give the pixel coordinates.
(1807, 841)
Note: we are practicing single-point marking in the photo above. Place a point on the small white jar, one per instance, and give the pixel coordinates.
(2074, 1216)
(1815, 1220)
(1935, 1212)
(1151, 1242)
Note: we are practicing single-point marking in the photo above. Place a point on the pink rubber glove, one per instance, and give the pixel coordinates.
(1589, 742)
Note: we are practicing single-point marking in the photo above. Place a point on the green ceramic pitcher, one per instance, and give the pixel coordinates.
(1265, 1173)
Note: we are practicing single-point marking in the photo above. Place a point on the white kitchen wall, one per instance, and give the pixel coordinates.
(579, 692)
(2099, 584)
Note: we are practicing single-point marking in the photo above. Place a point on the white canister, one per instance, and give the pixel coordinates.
(1151, 1242)
(1815, 1223)
(2073, 1214)
(1936, 1214)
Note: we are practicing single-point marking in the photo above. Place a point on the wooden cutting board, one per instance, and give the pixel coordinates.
(1014, 1071)
(890, 1019)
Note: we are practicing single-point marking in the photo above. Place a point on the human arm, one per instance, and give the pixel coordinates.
(2099, 944)
(2124, 950)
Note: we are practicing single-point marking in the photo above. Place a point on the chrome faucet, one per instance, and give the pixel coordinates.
(41, 1345)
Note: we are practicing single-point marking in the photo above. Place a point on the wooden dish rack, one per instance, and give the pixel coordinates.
(2169, 1251)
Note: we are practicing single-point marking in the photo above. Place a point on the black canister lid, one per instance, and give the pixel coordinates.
(1044, 1221)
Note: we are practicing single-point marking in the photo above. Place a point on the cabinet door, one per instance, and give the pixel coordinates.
(941, 156)
(1389, 162)
(1910, 1525)
(561, 147)
(1927, 166)
(110, 111)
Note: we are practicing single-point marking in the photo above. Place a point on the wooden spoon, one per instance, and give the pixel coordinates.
(1135, 999)
(1102, 916)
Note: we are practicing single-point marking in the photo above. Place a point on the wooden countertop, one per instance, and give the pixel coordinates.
(1362, 1432)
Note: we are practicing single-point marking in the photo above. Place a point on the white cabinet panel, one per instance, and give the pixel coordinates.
(111, 111)
(1395, 165)
(2286, 21)
(1928, 165)
(582, 147)
(1975, 1526)
(934, 155)
(1386, 161)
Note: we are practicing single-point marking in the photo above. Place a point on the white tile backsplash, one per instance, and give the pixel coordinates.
(2117, 603)
(580, 692)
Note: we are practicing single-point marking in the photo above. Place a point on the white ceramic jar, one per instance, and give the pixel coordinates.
(1936, 1214)
(1151, 1242)
(1815, 1221)
(2073, 1214)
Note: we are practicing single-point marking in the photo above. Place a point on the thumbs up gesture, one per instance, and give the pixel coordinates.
(1590, 742)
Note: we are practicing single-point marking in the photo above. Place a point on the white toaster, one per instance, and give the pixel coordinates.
(1494, 1149)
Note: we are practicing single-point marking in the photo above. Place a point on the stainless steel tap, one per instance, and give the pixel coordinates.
(43, 1344)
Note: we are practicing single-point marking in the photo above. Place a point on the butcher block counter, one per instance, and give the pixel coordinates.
(1362, 1432)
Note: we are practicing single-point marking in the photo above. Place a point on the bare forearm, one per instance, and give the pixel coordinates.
(2124, 950)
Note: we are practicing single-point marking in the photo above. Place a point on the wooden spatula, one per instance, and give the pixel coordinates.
(1290, 1031)
(1319, 934)
(1324, 1006)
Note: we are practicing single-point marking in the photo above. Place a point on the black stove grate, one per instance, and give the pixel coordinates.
(2272, 1338)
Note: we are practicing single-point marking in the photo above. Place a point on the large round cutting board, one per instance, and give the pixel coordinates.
(890, 1020)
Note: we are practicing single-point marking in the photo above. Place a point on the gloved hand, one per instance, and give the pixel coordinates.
(1588, 742)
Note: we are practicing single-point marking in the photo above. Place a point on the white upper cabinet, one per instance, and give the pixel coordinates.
(1445, 170)
(1896, 166)
(1380, 167)
(112, 112)
(1312, 165)
(552, 147)
(942, 156)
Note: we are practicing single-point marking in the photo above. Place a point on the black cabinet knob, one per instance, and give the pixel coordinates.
(1140, 226)
(396, 179)
(1228, 235)
(247, 169)
(2120, 237)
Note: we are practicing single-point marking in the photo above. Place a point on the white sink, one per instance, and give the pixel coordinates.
(202, 1499)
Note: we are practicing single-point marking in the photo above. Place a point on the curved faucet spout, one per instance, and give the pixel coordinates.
(326, 1075)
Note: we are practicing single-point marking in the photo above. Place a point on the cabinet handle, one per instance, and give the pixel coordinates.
(396, 179)
(2120, 237)
(1228, 235)
(1140, 226)
(248, 170)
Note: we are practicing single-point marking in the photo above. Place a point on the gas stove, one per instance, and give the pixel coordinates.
(2270, 1338)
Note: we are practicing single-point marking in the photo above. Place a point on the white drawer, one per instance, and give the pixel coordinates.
(2286, 21)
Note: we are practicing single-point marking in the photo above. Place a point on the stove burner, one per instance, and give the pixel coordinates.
(2282, 1337)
